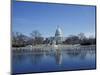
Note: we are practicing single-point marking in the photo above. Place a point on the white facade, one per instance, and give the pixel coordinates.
(58, 36)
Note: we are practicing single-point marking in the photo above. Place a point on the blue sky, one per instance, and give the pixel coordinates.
(73, 19)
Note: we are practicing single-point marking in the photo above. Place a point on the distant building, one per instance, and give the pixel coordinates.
(58, 36)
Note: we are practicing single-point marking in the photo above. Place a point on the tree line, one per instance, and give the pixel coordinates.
(36, 38)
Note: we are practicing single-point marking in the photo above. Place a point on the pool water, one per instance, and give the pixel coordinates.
(53, 60)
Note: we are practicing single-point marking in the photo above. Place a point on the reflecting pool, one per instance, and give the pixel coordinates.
(53, 60)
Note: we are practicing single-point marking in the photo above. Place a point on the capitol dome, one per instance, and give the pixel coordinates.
(58, 35)
(58, 32)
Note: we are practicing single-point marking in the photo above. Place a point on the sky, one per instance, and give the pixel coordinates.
(45, 17)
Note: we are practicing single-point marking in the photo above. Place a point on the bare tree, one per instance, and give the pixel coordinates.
(81, 36)
(72, 39)
(37, 38)
(35, 34)
(19, 39)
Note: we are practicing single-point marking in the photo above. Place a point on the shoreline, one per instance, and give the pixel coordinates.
(57, 47)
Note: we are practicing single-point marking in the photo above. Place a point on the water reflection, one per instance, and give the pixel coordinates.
(37, 56)
(83, 54)
(39, 60)
(28, 58)
(58, 56)
(73, 53)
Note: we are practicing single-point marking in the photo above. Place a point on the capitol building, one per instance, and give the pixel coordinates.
(58, 37)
